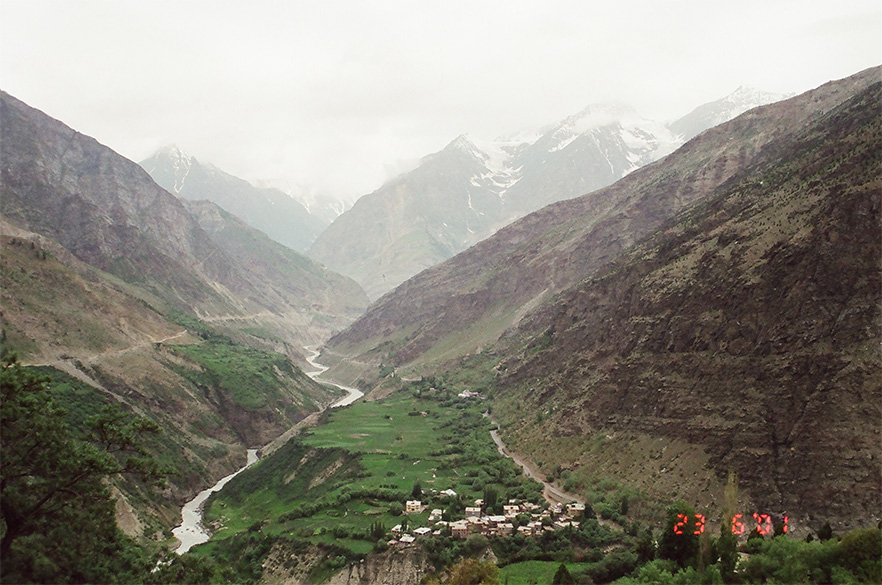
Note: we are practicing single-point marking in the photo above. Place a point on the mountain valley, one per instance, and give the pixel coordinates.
(112, 288)
(766, 198)
(670, 324)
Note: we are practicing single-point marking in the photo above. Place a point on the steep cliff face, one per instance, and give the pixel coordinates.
(406, 566)
(749, 327)
(306, 301)
(105, 209)
(468, 301)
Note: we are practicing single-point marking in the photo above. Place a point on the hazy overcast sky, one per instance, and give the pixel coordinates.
(336, 94)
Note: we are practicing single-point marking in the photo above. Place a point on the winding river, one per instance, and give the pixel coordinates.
(191, 531)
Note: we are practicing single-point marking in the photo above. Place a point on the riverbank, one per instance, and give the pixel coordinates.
(353, 394)
(191, 531)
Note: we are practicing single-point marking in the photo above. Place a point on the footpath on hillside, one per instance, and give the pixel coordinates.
(551, 494)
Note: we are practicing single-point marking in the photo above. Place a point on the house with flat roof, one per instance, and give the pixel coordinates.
(460, 529)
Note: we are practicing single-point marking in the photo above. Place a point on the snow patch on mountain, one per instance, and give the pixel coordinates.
(722, 110)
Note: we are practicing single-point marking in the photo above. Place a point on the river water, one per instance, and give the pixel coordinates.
(353, 393)
(191, 531)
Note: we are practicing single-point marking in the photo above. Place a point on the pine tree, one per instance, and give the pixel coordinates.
(678, 541)
(563, 576)
(727, 545)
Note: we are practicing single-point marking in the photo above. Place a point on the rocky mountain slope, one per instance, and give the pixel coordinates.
(308, 301)
(412, 222)
(466, 302)
(273, 212)
(116, 292)
(470, 189)
(749, 327)
(745, 328)
(107, 211)
(110, 214)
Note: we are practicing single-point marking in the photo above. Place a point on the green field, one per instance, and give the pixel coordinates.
(535, 572)
(343, 483)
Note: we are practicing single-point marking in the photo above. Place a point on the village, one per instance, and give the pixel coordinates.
(554, 517)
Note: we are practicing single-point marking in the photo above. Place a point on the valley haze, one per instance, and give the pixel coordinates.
(564, 292)
(707, 327)
(338, 97)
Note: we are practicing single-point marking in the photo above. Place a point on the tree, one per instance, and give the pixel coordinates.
(476, 544)
(727, 549)
(55, 504)
(678, 541)
(860, 551)
(645, 546)
(562, 576)
(473, 572)
(491, 498)
(377, 530)
(417, 492)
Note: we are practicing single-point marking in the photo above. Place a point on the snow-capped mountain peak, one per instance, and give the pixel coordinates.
(722, 110)
(599, 115)
(463, 143)
(175, 162)
(751, 97)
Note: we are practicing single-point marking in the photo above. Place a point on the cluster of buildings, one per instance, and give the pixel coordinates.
(476, 522)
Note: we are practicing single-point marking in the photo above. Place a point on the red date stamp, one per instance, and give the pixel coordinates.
(695, 524)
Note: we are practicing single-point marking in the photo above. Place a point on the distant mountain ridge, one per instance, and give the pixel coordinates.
(465, 192)
(722, 110)
(109, 213)
(270, 210)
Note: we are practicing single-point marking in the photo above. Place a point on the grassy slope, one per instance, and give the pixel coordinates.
(331, 484)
